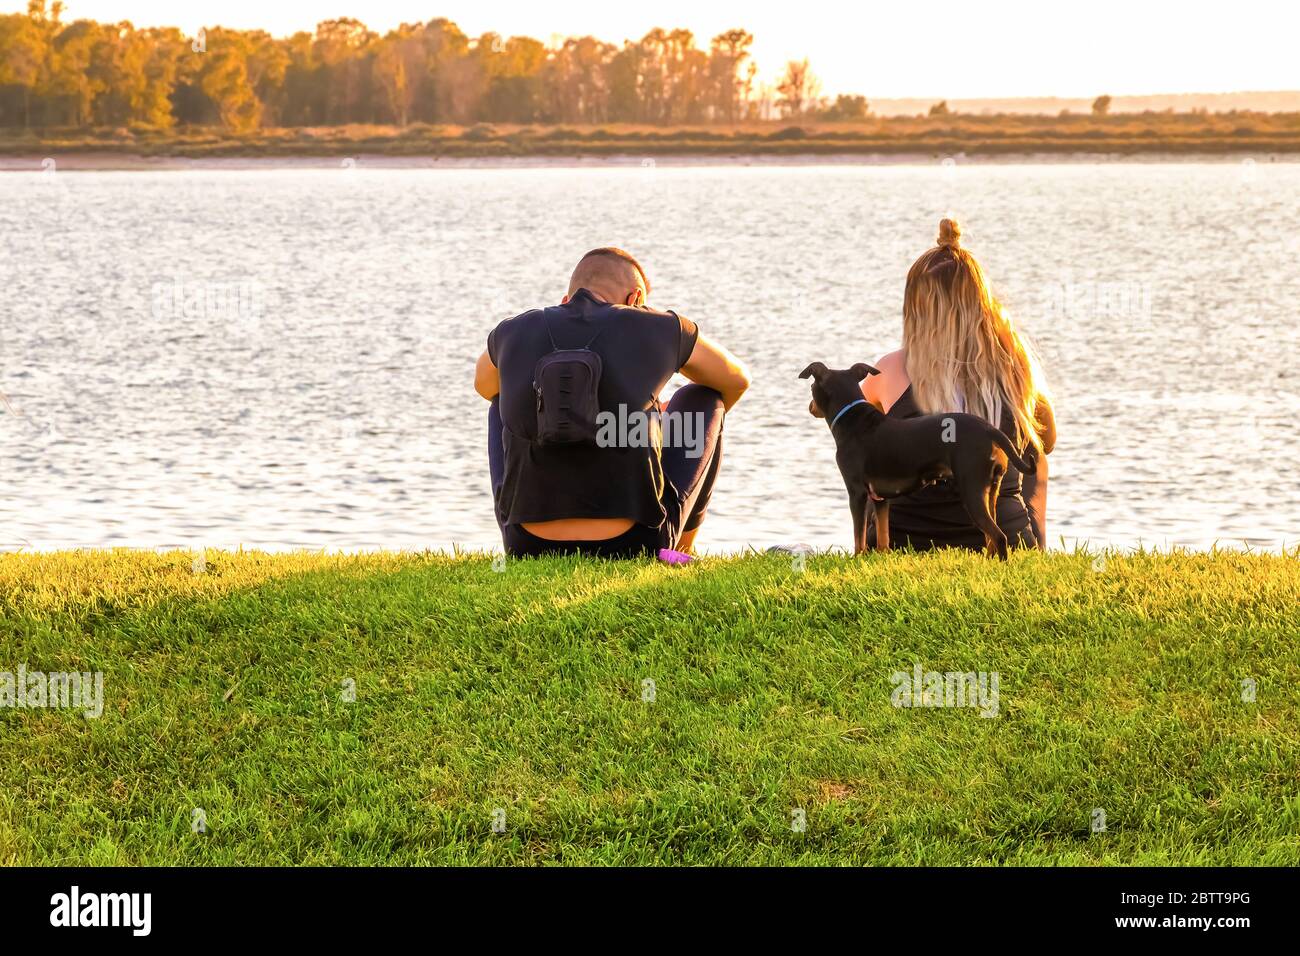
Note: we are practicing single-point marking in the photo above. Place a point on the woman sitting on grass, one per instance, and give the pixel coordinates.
(961, 354)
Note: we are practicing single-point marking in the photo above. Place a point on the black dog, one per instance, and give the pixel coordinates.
(882, 458)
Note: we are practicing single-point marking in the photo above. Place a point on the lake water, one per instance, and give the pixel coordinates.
(282, 358)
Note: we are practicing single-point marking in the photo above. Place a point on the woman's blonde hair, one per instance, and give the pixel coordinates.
(963, 354)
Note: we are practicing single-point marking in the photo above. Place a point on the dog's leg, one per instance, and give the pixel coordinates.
(995, 487)
(996, 542)
(858, 502)
(975, 498)
(882, 524)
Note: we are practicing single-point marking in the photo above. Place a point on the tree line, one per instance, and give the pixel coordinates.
(85, 74)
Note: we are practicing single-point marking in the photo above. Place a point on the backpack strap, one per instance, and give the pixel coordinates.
(556, 348)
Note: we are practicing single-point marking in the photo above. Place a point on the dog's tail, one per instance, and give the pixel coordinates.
(999, 436)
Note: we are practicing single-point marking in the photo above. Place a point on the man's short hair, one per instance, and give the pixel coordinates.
(613, 252)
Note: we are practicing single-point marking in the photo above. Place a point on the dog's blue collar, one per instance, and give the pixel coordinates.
(860, 401)
(840, 414)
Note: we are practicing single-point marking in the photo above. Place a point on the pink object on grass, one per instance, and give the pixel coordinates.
(669, 556)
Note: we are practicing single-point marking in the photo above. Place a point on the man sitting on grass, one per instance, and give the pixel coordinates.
(579, 460)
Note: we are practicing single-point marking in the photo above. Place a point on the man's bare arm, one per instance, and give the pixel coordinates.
(712, 365)
(487, 380)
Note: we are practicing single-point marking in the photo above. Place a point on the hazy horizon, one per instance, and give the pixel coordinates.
(1010, 50)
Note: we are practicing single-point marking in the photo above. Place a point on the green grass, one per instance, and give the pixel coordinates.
(521, 689)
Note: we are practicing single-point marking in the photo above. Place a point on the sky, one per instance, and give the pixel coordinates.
(937, 48)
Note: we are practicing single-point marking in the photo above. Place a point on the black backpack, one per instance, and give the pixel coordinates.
(567, 383)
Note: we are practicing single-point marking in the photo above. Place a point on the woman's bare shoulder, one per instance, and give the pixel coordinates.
(892, 362)
(884, 389)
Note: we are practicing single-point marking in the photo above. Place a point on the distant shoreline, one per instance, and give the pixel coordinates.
(129, 162)
(1160, 137)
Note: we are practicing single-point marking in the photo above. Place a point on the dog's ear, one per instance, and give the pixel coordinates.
(862, 370)
(815, 370)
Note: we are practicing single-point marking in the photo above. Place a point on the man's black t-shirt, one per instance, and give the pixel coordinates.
(640, 350)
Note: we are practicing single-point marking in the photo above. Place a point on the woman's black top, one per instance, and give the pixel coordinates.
(934, 516)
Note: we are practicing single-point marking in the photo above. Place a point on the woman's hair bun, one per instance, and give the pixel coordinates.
(949, 234)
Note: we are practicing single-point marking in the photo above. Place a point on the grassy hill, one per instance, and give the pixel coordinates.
(522, 687)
